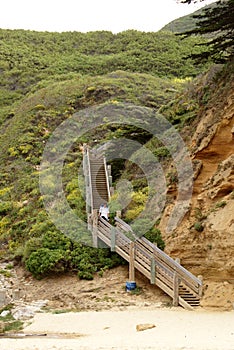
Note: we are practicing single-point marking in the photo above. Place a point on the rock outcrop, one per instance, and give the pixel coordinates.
(204, 241)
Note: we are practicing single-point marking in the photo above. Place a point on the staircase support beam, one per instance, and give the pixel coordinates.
(131, 262)
(113, 239)
(153, 271)
(175, 289)
(200, 292)
(95, 228)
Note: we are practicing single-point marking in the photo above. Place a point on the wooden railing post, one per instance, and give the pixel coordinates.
(113, 238)
(109, 174)
(153, 271)
(176, 286)
(131, 262)
(118, 214)
(175, 289)
(200, 291)
(95, 228)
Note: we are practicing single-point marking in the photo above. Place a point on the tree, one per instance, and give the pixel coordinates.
(217, 23)
(189, 1)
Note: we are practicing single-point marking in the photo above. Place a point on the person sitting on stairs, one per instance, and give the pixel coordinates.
(104, 211)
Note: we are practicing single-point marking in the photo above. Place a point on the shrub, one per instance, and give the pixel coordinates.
(88, 260)
(161, 152)
(198, 226)
(5, 207)
(44, 261)
(56, 240)
(55, 252)
(32, 245)
(220, 204)
(154, 236)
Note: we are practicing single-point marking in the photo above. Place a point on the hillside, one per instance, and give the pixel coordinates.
(28, 58)
(46, 79)
(185, 23)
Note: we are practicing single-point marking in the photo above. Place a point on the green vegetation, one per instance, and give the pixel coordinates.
(198, 226)
(217, 22)
(136, 291)
(28, 57)
(57, 253)
(220, 204)
(9, 323)
(186, 23)
(45, 79)
(154, 235)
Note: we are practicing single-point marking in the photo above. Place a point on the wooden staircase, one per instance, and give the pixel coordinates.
(184, 288)
(98, 182)
(188, 296)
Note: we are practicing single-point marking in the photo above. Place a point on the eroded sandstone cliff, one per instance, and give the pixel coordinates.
(204, 241)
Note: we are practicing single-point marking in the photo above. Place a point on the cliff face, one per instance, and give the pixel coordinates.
(205, 239)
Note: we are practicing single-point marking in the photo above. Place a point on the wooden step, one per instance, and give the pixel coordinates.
(188, 296)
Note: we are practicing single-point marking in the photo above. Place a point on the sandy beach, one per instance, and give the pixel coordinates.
(175, 329)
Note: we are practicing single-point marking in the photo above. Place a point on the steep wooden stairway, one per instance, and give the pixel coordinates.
(184, 288)
(99, 183)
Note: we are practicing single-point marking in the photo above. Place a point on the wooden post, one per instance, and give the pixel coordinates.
(200, 292)
(94, 230)
(90, 221)
(109, 174)
(131, 262)
(118, 214)
(153, 271)
(113, 239)
(176, 286)
(175, 289)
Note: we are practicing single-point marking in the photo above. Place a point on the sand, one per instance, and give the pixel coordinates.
(175, 329)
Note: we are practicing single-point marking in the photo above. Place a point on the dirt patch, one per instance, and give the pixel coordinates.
(108, 292)
(102, 293)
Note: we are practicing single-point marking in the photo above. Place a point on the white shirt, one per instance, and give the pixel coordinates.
(104, 211)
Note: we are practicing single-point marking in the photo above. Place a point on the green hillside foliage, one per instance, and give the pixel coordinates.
(27, 57)
(218, 23)
(23, 137)
(45, 79)
(185, 23)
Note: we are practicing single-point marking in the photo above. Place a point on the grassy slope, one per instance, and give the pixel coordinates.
(46, 78)
(24, 134)
(185, 23)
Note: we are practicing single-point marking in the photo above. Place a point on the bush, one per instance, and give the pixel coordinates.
(154, 236)
(44, 261)
(56, 240)
(55, 252)
(32, 245)
(143, 227)
(88, 260)
(5, 207)
(220, 204)
(198, 226)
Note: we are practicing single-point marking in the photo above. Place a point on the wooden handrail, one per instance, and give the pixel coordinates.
(89, 177)
(107, 178)
(185, 274)
(166, 275)
(186, 277)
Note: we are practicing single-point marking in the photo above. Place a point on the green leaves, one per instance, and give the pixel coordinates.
(55, 252)
(45, 79)
(27, 58)
(44, 261)
(216, 22)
